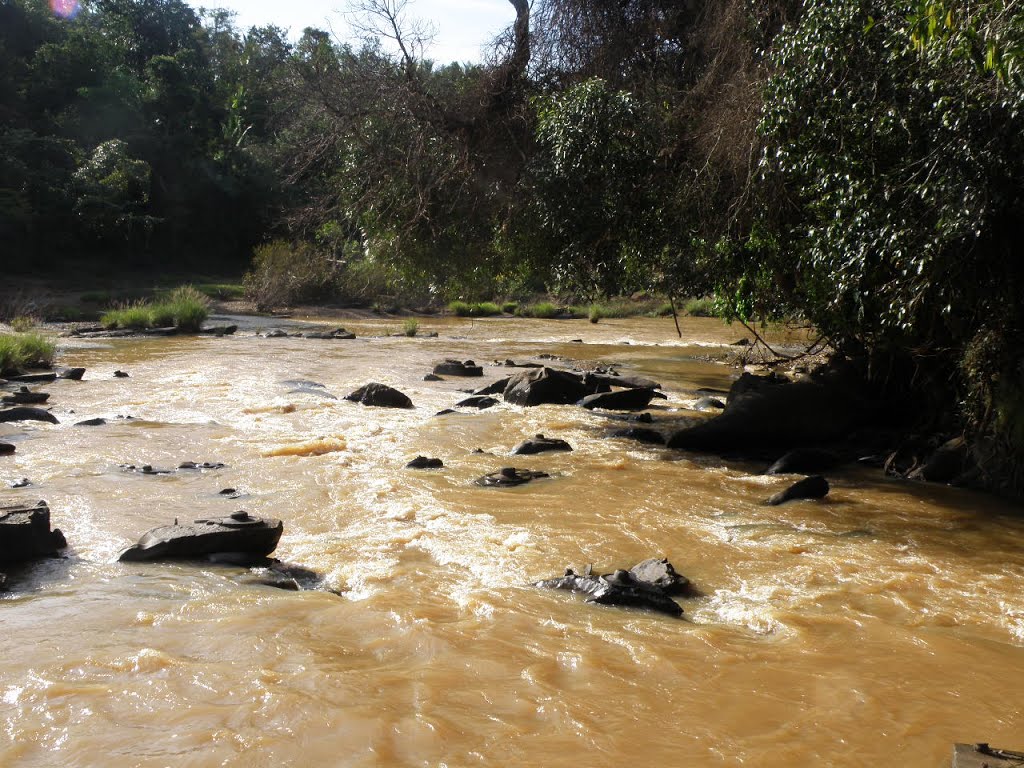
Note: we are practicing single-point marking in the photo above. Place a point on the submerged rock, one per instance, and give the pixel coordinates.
(508, 477)
(27, 413)
(96, 422)
(121, 374)
(477, 401)
(22, 482)
(627, 588)
(423, 462)
(813, 487)
(458, 368)
(540, 444)
(432, 377)
(25, 533)
(641, 434)
(239, 533)
(381, 396)
(204, 465)
(337, 333)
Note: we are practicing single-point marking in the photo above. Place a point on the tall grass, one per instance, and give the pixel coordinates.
(25, 350)
(699, 307)
(411, 326)
(184, 308)
(479, 309)
(544, 310)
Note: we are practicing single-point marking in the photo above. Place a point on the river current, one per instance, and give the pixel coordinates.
(877, 626)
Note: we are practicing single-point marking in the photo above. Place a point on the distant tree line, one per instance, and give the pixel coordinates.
(859, 163)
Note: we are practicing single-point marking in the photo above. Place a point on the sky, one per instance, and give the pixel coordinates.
(463, 26)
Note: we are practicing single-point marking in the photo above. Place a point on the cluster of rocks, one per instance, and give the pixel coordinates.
(649, 584)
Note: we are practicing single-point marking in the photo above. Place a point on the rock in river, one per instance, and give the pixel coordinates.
(813, 487)
(540, 444)
(625, 588)
(545, 385)
(25, 533)
(27, 413)
(239, 533)
(424, 462)
(380, 395)
(458, 368)
(803, 461)
(6, 449)
(508, 477)
(477, 401)
(624, 400)
(24, 397)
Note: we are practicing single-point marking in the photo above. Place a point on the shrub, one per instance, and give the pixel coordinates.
(134, 316)
(189, 308)
(284, 275)
(22, 323)
(25, 350)
(460, 309)
(544, 310)
(699, 307)
(510, 307)
(595, 313)
(410, 326)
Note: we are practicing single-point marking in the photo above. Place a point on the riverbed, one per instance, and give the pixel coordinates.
(877, 626)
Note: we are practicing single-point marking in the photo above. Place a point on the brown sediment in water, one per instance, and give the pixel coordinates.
(877, 627)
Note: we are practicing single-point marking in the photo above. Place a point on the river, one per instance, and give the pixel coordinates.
(877, 626)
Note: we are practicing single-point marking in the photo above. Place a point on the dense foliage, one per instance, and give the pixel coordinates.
(856, 162)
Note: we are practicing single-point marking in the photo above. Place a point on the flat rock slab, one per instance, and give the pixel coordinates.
(24, 397)
(337, 333)
(508, 477)
(541, 444)
(984, 756)
(33, 378)
(381, 396)
(238, 533)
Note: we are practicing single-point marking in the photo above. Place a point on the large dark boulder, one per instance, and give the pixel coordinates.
(537, 386)
(766, 415)
(623, 400)
(25, 533)
(239, 533)
(27, 413)
(71, 374)
(381, 396)
(541, 444)
(494, 388)
(813, 487)
(458, 368)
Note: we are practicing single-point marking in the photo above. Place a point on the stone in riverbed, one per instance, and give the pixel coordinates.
(624, 400)
(97, 422)
(381, 396)
(537, 386)
(494, 388)
(121, 375)
(709, 404)
(641, 434)
(625, 588)
(803, 461)
(337, 333)
(458, 368)
(540, 444)
(477, 401)
(6, 449)
(508, 477)
(27, 413)
(432, 377)
(423, 462)
(25, 533)
(22, 482)
(33, 378)
(24, 397)
(251, 537)
(813, 487)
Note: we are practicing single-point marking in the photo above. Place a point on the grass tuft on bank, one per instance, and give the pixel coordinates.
(184, 308)
(25, 350)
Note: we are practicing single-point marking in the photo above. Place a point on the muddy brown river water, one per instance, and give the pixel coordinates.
(876, 627)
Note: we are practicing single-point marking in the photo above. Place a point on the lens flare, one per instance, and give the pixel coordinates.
(66, 9)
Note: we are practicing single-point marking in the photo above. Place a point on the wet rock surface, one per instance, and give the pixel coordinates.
(541, 444)
(25, 397)
(380, 396)
(337, 333)
(708, 404)
(479, 402)
(640, 434)
(647, 585)
(813, 487)
(508, 477)
(804, 461)
(239, 533)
